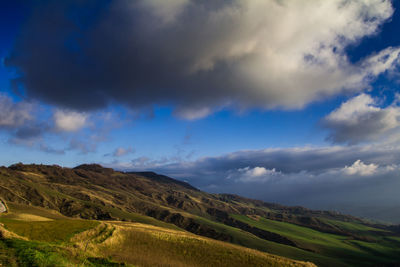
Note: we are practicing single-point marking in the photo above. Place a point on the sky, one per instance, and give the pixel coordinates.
(294, 102)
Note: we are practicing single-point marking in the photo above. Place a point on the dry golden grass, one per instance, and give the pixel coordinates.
(15, 210)
(36, 176)
(146, 245)
(30, 217)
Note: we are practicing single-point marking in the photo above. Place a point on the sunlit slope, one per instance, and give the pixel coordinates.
(146, 245)
(39, 237)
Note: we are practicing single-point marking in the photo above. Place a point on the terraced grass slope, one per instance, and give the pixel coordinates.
(37, 237)
(96, 193)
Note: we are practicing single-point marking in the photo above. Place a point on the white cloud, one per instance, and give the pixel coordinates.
(360, 119)
(360, 168)
(69, 121)
(256, 174)
(256, 171)
(351, 110)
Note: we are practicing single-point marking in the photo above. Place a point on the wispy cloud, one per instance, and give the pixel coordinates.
(121, 151)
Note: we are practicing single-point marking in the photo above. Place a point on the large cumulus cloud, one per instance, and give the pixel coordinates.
(198, 56)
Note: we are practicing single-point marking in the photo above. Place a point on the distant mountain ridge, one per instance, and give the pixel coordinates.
(91, 191)
(162, 178)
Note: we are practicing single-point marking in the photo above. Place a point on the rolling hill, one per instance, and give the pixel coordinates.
(129, 210)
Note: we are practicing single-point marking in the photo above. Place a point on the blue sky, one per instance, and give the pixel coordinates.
(208, 92)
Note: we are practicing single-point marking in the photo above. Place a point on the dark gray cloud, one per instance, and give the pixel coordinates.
(19, 120)
(198, 56)
(30, 124)
(14, 115)
(361, 119)
(314, 160)
(31, 131)
(291, 160)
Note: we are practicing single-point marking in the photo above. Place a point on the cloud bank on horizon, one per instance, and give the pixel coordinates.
(318, 177)
(77, 60)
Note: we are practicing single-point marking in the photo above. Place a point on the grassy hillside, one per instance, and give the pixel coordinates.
(146, 245)
(349, 250)
(52, 240)
(61, 197)
(249, 240)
